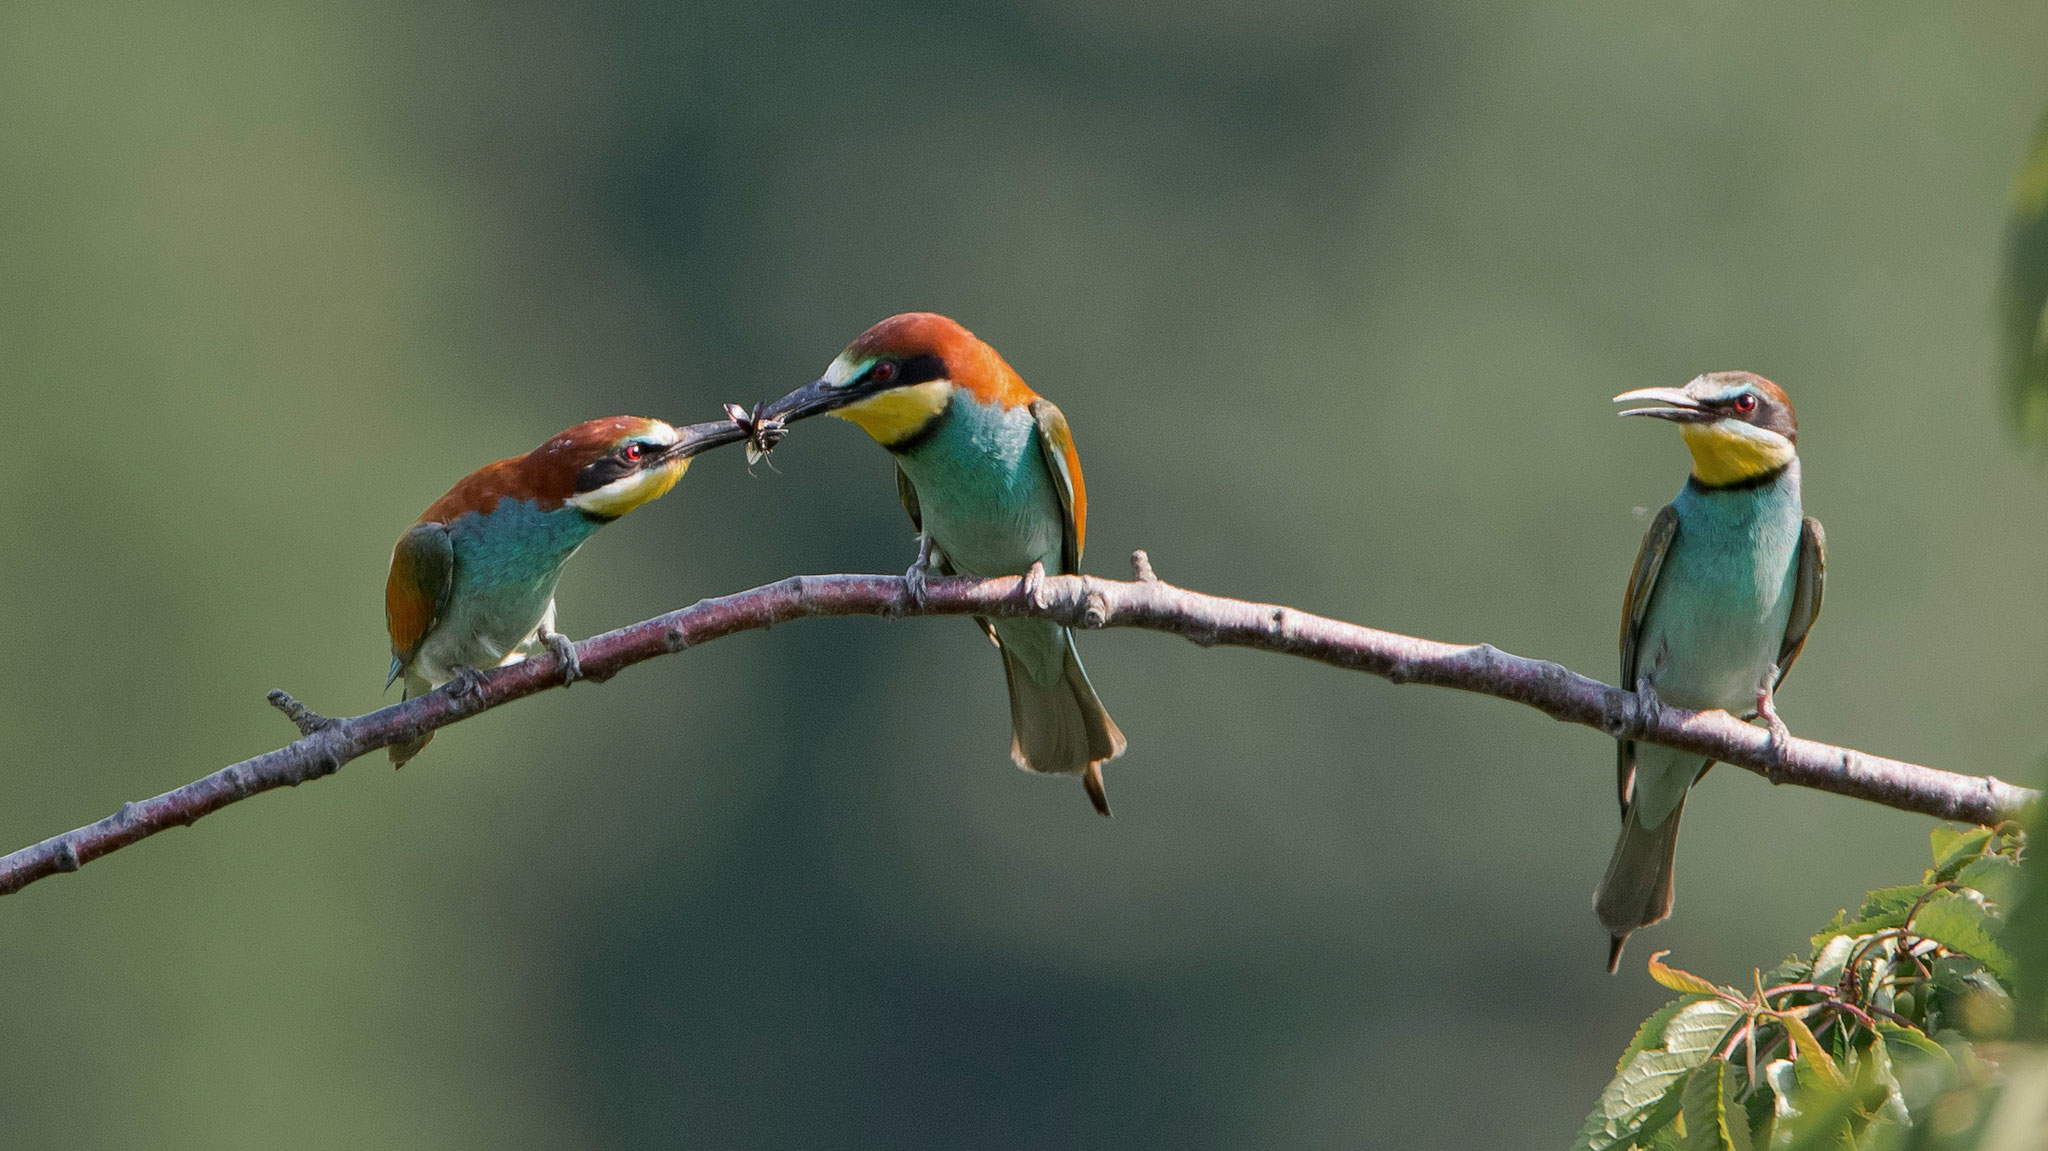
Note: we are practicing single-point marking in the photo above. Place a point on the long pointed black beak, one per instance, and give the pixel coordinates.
(1674, 404)
(810, 400)
(698, 438)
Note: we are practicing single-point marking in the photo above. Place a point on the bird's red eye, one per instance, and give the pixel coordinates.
(633, 451)
(1745, 403)
(884, 371)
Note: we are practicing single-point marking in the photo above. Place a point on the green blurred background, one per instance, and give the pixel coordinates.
(1335, 295)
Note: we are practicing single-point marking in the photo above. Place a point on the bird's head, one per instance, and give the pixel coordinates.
(901, 375)
(608, 467)
(1738, 425)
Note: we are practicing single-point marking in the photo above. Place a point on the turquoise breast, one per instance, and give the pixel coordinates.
(1718, 614)
(506, 566)
(1717, 617)
(988, 501)
(984, 492)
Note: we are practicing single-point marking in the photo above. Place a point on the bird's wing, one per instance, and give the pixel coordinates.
(415, 595)
(1807, 587)
(1056, 443)
(1642, 583)
(908, 494)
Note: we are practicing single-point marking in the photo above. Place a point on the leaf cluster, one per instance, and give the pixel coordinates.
(1899, 1030)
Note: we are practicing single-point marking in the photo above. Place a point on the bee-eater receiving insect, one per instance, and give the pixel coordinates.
(987, 470)
(1724, 591)
(472, 584)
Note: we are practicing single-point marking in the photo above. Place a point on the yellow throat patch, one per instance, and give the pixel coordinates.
(623, 495)
(1725, 452)
(899, 413)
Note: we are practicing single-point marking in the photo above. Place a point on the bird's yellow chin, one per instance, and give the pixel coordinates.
(1730, 451)
(899, 413)
(623, 495)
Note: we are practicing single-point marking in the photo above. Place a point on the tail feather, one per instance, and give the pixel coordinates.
(401, 753)
(1061, 728)
(1636, 891)
(1091, 782)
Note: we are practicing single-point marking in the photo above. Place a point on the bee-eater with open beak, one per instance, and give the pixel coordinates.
(987, 470)
(1726, 586)
(472, 584)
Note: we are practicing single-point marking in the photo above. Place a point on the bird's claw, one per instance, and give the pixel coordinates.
(565, 650)
(1780, 744)
(468, 681)
(1034, 585)
(1647, 704)
(920, 570)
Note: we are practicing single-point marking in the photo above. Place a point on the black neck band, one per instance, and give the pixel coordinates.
(1761, 479)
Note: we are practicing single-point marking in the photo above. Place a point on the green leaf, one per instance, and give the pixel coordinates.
(1655, 1066)
(1997, 878)
(1882, 909)
(1713, 1120)
(1792, 970)
(1911, 1045)
(1967, 846)
(1651, 1033)
(1812, 1061)
(1656, 1128)
(1883, 1099)
(1968, 999)
(1825, 1127)
(1762, 1106)
(1809, 1115)
(1892, 900)
(1677, 979)
(1834, 1107)
(1963, 924)
(2026, 935)
(1831, 956)
(1921, 1068)
(1942, 839)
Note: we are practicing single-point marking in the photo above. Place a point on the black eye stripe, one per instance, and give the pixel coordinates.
(604, 471)
(1768, 413)
(919, 370)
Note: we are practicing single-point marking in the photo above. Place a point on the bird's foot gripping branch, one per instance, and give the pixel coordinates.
(325, 744)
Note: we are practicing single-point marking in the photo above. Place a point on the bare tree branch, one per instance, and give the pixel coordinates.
(1079, 601)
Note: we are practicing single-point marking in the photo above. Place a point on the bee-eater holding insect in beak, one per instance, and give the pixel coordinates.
(472, 584)
(987, 470)
(1726, 586)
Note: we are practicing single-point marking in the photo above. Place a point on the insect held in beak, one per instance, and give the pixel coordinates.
(762, 434)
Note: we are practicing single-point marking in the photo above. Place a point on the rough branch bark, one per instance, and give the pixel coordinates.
(1080, 601)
